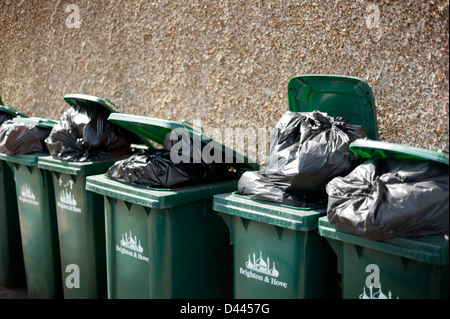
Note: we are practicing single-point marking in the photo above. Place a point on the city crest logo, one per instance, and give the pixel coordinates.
(27, 195)
(261, 269)
(131, 246)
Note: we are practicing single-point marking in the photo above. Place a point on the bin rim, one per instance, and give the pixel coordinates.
(159, 198)
(366, 148)
(23, 159)
(431, 249)
(76, 98)
(290, 217)
(54, 164)
(12, 111)
(236, 193)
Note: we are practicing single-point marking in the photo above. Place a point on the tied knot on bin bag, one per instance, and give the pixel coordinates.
(84, 133)
(306, 151)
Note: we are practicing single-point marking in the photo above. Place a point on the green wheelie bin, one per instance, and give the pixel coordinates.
(278, 252)
(163, 243)
(396, 268)
(12, 271)
(37, 217)
(81, 229)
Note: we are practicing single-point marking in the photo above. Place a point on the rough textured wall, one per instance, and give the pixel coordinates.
(227, 63)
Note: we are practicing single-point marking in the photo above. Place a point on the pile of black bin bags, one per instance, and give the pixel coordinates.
(309, 164)
(306, 151)
(82, 134)
(21, 137)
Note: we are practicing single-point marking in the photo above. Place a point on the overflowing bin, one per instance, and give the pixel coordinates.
(37, 216)
(402, 264)
(12, 271)
(278, 252)
(164, 242)
(81, 227)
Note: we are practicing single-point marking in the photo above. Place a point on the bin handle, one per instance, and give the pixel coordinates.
(191, 126)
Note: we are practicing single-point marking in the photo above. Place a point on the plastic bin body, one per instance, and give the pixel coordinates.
(38, 225)
(278, 253)
(12, 271)
(398, 268)
(81, 226)
(164, 243)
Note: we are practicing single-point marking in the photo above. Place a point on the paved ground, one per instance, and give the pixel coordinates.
(13, 293)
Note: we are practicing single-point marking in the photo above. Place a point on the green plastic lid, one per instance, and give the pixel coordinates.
(366, 148)
(88, 100)
(38, 121)
(146, 127)
(11, 110)
(153, 129)
(349, 97)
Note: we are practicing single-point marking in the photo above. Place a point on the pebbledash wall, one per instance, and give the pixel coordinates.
(226, 64)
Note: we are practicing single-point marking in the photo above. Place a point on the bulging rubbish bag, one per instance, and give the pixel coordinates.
(83, 133)
(387, 198)
(306, 151)
(22, 138)
(173, 166)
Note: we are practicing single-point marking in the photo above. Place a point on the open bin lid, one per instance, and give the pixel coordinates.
(11, 110)
(366, 148)
(38, 121)
(88, 100)
(349, 97)
(153, 129)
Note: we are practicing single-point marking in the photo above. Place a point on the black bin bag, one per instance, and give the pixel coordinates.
(170, 167)
(24, 135)
(385, 198)
(83, 133)
(306, 151)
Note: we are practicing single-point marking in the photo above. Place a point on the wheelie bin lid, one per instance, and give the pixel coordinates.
(154, 129)
(366, 148)
(88, 100)
(11, 110)
(336, 95)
